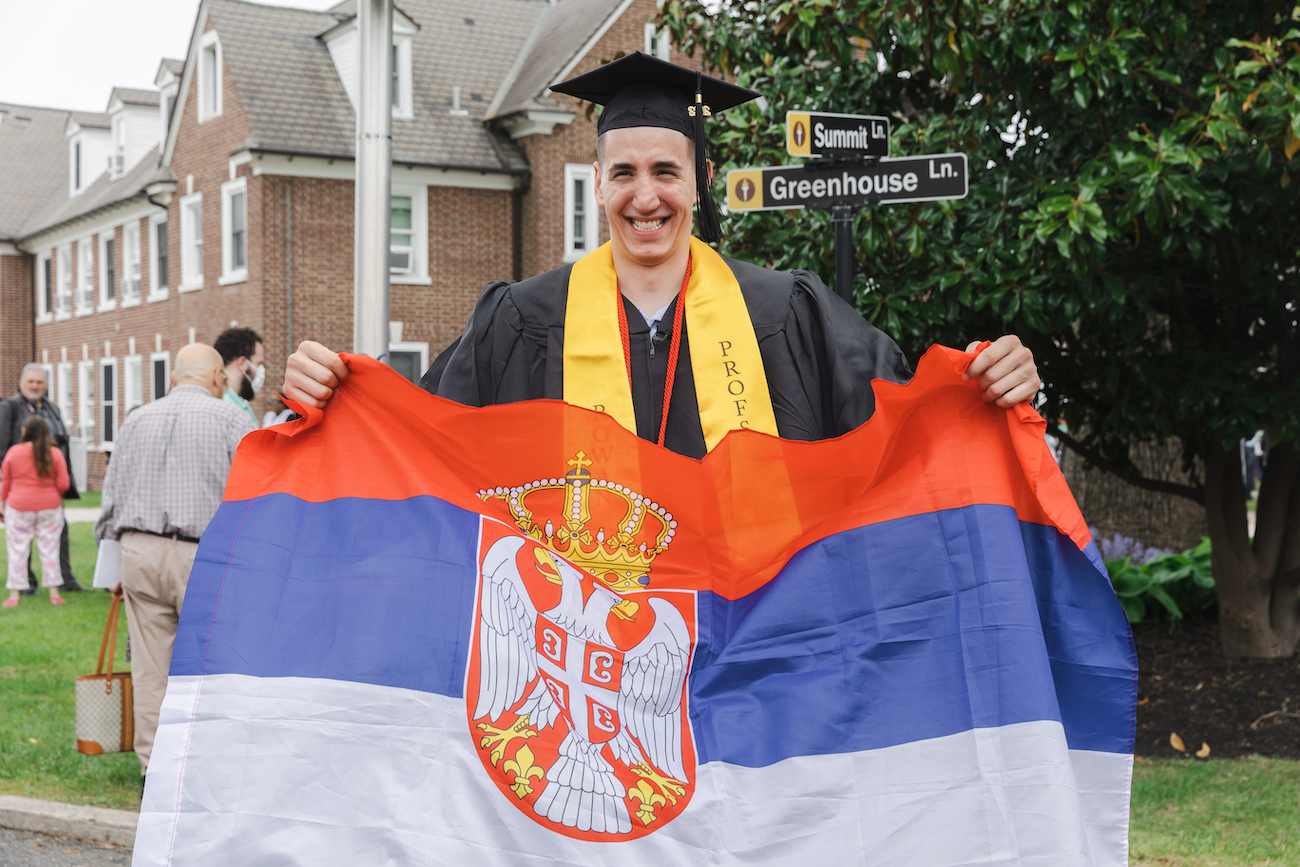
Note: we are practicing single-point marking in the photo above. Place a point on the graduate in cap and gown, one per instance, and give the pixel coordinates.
(655, 328)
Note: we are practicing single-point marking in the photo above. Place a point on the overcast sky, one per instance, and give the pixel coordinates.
(71, 53)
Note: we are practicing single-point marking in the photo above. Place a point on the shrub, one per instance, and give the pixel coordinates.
(1164, 586)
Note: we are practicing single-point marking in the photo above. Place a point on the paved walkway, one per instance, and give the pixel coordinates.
(82, 516)
(25, 849)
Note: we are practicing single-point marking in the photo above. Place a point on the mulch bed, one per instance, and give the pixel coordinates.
(1239, 707)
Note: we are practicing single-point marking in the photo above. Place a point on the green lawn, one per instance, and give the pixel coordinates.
(1217, 813)
(89, 500)
(42, 648)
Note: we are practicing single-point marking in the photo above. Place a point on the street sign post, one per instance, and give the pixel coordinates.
(845, 184)
(824, 184)
(836, 136)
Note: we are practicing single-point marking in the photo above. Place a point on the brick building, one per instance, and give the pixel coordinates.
(227, 192)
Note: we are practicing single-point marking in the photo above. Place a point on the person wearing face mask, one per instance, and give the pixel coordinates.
(241, 353)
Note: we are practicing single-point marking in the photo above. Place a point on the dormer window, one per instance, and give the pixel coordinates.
(118, 159)
(402, 101)
(76, 167)
(343, 40)
(209, 76)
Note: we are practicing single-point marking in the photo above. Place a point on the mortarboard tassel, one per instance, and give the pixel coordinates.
(710, 230)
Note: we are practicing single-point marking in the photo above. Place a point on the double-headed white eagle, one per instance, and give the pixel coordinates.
(581, 789)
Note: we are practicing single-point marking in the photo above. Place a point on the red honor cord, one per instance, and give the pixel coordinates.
(673, 348)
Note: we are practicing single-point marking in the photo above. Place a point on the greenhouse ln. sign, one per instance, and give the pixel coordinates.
(908, 179)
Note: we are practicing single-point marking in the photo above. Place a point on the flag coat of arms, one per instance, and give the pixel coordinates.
(419, 633)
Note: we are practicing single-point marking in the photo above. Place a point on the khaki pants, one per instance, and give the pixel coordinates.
(155, 571)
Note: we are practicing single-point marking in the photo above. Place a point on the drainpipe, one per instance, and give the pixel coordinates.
(35, 286)
(374, 152)
(288, 266)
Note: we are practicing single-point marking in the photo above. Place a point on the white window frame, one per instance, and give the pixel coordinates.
(157, 292)
(209, 43)
(191, 231)
(403, 101)
(105, 284)
(657, 43)
(50, 387)
(587, 173)
(63, 397)
(84, 297)
(86, 397)
(117, 156)
(63, 283)
(108, 433)
(132, 265)
(418, 275)
(166, 359)
(230, 274)
(130, 378)
(44, 311)
(421, 347)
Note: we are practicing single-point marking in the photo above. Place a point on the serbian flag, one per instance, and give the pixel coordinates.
(419, 633)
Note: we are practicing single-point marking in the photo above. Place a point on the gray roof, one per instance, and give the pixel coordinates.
(102, 193)
(38, 145)
(134, 96)
(565, 30)
(90, 119)
(295, 102)
(175, 65)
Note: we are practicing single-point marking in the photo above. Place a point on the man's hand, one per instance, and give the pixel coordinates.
(1006, 371)
(312, 374)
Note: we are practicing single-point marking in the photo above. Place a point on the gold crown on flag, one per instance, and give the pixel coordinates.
(607, 528)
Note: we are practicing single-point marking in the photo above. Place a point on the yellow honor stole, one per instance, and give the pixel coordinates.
(730, 384)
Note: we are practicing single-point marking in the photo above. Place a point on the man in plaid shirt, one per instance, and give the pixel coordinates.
(164, 484)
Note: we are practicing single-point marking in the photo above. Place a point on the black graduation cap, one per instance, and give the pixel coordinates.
(641, 90)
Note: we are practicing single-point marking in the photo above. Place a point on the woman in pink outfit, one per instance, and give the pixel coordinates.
(33, 478)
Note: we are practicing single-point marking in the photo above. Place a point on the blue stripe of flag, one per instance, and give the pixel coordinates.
(909, 629)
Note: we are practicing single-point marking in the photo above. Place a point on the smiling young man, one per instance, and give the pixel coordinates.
(655, 327)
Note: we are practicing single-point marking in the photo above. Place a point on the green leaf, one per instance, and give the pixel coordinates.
(915, 241)
(1134, 609)
(1264, 161)
(1159, 594)
(1246, 67)
(1082, 93)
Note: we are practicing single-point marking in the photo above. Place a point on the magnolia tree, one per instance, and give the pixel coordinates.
(1132, 216)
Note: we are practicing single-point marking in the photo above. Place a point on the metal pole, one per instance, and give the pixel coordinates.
(373, 177)
(842, 217)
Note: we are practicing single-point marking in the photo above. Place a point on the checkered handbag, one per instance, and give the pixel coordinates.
(104, 710)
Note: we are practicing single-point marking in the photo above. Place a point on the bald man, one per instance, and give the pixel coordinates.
(163, 486)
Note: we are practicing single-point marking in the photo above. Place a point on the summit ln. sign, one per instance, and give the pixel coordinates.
(817, 134)
(822, 185)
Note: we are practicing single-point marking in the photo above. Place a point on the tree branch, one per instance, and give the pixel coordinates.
(1194, 493)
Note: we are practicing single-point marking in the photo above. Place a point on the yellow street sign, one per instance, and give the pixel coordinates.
(745, 190)
(798, 133)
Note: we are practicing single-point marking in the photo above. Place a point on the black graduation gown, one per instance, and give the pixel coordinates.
(819, 355)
